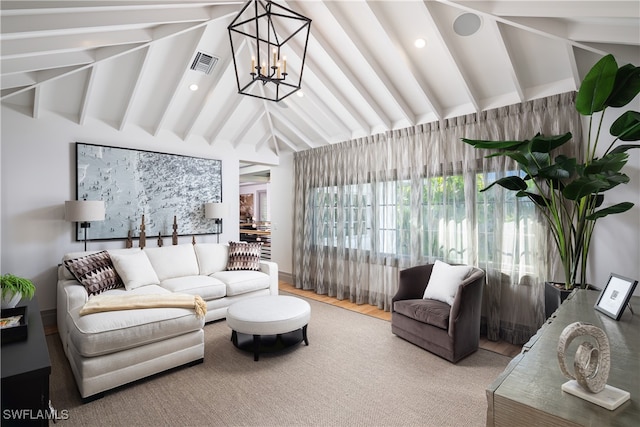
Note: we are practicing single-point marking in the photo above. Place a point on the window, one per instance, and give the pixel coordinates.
(449, 209)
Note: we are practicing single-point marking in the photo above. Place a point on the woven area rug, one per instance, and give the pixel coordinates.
(354, 372)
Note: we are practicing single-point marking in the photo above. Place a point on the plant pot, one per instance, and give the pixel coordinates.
(554, 294)
(10, 300)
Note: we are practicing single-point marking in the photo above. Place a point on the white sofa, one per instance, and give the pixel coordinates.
(109, 349)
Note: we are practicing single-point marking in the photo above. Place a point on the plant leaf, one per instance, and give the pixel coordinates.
(627, 126)
(626, 86)
(545, 144)
(612, 162)
(584, 186)
(624, 148)
(493, 145)
(513, 183)
(539, 200)
(618, 208)
(597, 86)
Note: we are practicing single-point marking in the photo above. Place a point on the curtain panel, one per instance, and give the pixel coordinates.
(369, 207)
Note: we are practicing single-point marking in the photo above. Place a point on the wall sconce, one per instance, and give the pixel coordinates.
(84, 211)
(216, 211)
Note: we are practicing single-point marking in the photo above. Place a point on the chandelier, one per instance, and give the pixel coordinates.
(268, 32)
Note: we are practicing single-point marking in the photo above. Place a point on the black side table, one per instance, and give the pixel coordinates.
(25, 375)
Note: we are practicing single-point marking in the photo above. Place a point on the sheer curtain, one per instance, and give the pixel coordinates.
(369, 207)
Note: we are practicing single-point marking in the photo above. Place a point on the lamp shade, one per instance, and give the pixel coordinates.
(84, 210)
(214, 210)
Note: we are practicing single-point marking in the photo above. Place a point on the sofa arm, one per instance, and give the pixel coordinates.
(412, 282)
(271, 268)
(467, 305)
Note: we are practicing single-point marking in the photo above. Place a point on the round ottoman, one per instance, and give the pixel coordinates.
(268, 323)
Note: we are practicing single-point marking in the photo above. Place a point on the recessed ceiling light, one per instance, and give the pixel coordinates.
(300, 93)
(193, 87)
(420, 43)
(467, 24)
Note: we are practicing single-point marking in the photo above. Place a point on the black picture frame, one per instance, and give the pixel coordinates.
(135, 182)
(615, 296)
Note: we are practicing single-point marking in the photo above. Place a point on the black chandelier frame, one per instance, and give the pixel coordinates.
(269, 71)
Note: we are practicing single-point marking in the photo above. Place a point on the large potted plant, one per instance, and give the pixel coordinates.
(570, 191)
(15, 288)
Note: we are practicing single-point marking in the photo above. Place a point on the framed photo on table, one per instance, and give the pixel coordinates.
(615, 296)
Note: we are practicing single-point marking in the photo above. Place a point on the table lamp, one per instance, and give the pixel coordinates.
(84, 211)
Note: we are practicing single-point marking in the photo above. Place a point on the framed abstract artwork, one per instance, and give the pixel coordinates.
(159, 186)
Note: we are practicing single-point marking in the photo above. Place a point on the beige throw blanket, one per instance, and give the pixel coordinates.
(99, 303)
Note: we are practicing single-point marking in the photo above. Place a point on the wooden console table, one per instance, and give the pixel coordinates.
(528, 391)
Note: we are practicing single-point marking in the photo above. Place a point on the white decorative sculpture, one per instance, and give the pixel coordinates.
(591, 366)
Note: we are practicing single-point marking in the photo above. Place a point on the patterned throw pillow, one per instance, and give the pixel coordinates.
(95, 272)
(244, 256)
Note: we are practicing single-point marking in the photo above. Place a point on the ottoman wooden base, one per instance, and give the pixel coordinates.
(267, 324)
(261, 344)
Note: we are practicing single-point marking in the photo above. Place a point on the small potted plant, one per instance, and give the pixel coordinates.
(15, 288)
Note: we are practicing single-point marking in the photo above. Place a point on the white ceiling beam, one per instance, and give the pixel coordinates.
(37, 98)
(312, 67)
(17, 80)
(224, 67)
(299, 114)
(255, 118)
(223, 118)
(46, 62)
(453, 56)
(292, 127)
(10, 49)
(177, 84)
(279, 135)
(344, 68)
(136, 87)
(573, 63)
(266, 137)
(159, 34)
(508, 61)
(556, 9)
(417, 75)
(473, 7)
(47, 25)
(379, 70)
(88, 88)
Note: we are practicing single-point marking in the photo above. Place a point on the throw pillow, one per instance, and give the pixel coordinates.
(444, 281)
(244, 256)
(135, 270)
(95, 272)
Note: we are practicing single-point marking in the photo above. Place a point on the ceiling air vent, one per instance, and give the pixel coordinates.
(204, 63)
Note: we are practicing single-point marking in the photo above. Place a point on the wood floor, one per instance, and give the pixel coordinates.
(500, 347)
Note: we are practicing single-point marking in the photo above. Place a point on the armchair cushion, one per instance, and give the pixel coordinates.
(444, 281)
(427, 311)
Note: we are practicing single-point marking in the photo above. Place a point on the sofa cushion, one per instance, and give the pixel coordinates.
(444, 281)
(207, 287)
(244, 256)
(67, 275)
(135, 270)
(173, 261)
(429, 311)
(212, 257)
(95, 272)
(240, 282)
(108, 332)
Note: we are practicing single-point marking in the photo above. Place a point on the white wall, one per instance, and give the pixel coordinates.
(281, 201)
(615, 247)
(37, 176)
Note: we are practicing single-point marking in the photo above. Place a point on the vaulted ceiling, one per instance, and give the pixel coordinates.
(127, 64)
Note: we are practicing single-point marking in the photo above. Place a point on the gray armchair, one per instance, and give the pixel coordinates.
(451, 332)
